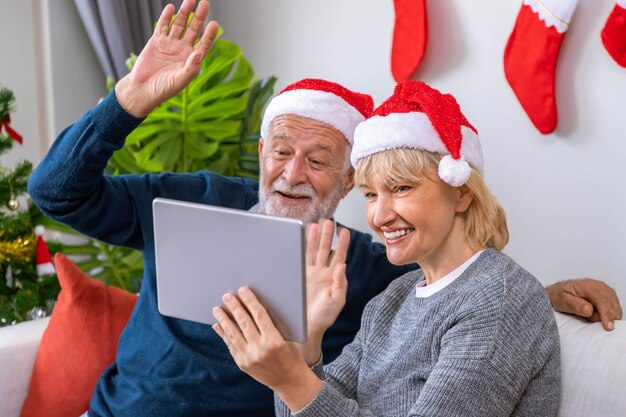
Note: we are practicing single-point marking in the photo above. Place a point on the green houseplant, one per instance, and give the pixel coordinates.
(212, 124)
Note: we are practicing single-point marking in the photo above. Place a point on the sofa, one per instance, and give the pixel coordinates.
(593, 367)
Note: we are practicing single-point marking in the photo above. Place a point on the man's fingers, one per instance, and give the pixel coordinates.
(180, 21)
(191, 68)
(195, 26)
(603, 298)
(569, 303)
(208, 37)
(606, 315)
(163, 24)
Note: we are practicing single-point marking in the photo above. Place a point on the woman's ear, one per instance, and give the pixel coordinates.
(465, 199)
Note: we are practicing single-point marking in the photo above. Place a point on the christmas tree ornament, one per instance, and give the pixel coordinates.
(18, 250)
(419, 117)
(43, 257)
(13, 204)
(410, 35)
(530, 57)
(614, 33)
(36, 313)
(6, 104)
(8, 277)
(5, 122)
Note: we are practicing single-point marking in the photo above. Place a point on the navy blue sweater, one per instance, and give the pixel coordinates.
(165, 366)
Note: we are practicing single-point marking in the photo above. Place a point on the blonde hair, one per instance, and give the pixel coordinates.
(485, 220)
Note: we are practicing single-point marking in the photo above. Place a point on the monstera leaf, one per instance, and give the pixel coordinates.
(212, 124)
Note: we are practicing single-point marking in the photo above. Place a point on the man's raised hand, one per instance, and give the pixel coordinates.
(169, 61)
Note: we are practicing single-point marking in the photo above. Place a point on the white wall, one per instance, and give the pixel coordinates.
(562, 191)
(48, 62)
(78, 81)
(17, 72)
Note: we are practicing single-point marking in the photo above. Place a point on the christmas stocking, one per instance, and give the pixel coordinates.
(531, 54)
(409, 38)
(614, 33)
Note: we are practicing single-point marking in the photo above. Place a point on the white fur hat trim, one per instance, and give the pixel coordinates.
(314, 104)
(413, 130)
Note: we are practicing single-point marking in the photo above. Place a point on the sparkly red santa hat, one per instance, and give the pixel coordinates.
(417, 116)
(42, 256)
(321, 100)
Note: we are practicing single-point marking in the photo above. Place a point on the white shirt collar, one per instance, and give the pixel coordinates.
(422, 290)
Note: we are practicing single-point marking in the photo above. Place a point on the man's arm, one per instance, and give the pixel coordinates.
(69, 184)
(586, 297)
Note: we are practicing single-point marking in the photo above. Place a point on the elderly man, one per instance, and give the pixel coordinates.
(169, 367)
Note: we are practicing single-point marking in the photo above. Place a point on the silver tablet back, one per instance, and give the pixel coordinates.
(203, 252)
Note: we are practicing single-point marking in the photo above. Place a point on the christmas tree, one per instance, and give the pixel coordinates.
(28, 285)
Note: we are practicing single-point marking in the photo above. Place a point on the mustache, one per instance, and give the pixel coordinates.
(300, 190)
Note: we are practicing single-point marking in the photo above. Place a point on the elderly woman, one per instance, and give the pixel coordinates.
(470, 334)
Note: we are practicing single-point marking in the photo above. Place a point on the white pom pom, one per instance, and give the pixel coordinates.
(40, 230)
(455, 172)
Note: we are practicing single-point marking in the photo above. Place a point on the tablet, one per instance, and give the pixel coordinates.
(203, 252)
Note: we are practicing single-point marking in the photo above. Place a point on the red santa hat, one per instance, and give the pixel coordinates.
(42, 257)
(417, 116)
(320, 100)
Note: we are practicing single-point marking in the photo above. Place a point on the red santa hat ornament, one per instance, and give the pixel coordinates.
(320, 100)
(42, 256)
(417, 116)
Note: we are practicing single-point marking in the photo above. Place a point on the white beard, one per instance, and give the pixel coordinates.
(309, 212)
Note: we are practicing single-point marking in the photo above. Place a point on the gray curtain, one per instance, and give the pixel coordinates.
(118, 27)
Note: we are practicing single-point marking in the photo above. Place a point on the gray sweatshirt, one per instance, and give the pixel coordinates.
(485, 345)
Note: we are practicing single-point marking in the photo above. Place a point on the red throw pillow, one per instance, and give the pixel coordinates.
(78, 344)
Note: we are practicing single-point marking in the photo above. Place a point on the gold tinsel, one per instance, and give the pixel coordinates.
(21, 249)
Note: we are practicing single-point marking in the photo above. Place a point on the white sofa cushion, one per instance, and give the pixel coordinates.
(593, 368)
(18, 348)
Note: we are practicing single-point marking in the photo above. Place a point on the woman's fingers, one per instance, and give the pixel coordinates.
(340, 282)
(229, 328)
(341, 250)
(311, 243)
(326, 239)
(258, 312)
(220, 332)
(242, 317)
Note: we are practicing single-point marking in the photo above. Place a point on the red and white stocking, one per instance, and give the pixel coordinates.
(410, 34)
(531, 55)
(614, 33)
